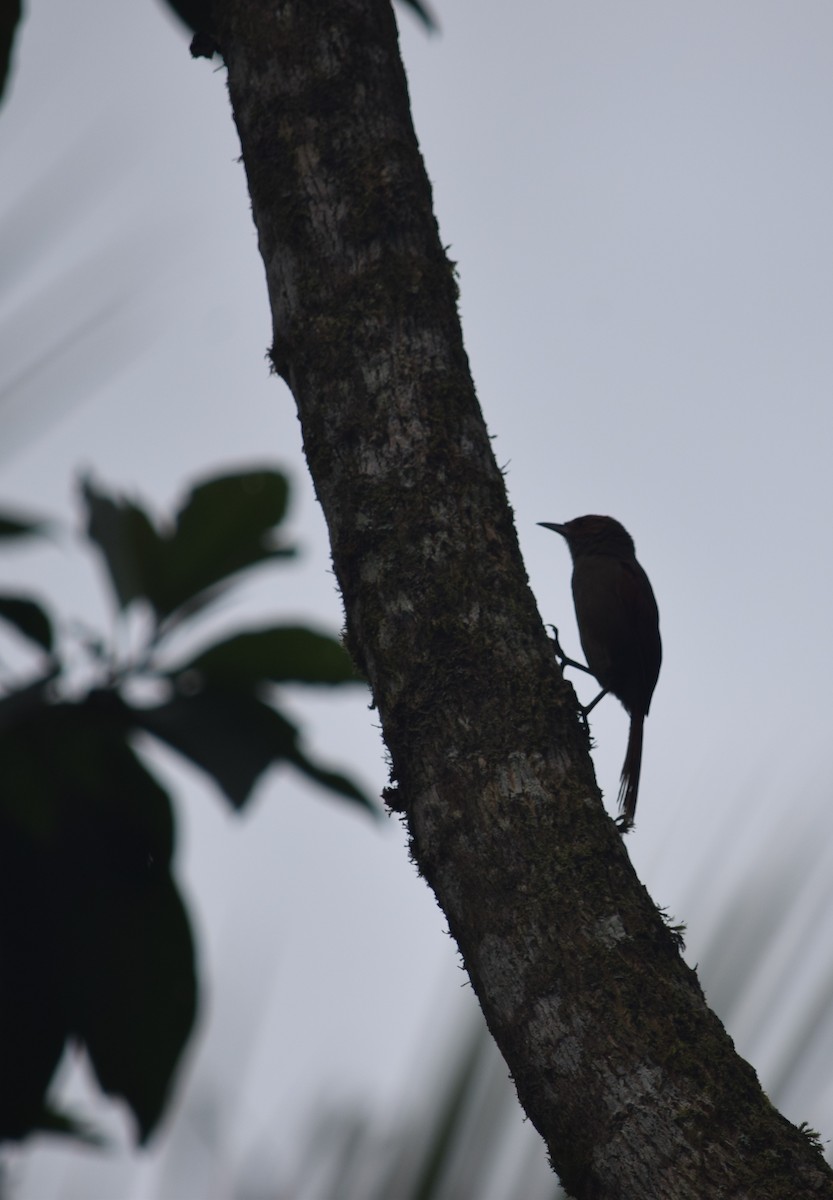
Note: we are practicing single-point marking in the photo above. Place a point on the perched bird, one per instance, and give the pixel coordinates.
(618, 623)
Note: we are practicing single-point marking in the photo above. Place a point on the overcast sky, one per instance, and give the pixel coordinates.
(638, 197)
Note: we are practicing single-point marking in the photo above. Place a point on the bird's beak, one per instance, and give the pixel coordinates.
(558, 528)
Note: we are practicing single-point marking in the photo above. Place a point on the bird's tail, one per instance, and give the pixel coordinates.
(629, 783)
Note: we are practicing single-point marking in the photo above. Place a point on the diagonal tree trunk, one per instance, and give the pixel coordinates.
(628, 1076)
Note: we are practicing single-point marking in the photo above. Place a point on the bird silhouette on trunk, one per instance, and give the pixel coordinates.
(618, 623)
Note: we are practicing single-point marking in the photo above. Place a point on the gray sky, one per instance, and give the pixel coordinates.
(639, 201)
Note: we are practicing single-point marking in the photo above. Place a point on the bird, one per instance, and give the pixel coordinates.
(618, 624)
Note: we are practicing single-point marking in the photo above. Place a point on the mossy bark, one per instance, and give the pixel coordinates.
(630, 1079)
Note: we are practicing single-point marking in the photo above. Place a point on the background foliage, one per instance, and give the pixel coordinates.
(95, 940)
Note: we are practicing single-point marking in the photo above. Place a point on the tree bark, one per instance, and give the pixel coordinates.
(630, 1079)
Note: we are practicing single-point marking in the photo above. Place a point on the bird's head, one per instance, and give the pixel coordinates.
(594, 535)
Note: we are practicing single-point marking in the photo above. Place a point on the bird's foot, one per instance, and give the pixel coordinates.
(585, 724)
(588, 708)
(563, 659)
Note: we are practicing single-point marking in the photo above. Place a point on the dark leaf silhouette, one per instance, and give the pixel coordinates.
(28, 618)
(231, 736)
(234, 736)
(281, 654)
(134, 994)
(17, 705)
(334, 781)
(10, 14)
(424, 13)
(95, 944)
(93, 937)
(14, 526)
(225, 525)
(128, 541)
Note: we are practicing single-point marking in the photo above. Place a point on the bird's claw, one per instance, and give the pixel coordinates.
(563, 659)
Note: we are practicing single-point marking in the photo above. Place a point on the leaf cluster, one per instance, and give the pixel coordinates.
(95, 942)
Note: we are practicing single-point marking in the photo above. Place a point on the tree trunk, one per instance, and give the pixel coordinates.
(628, 1076)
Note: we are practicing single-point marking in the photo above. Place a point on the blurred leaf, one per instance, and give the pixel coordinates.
(94, 939)
(15, 527)
(53, 1120)
(424, 13)
(333, 780)
(134, 988)
(70, 774)
(128, 541)
(10, 14)
(136, 832)
(91, 928)
(31, 697)
(195, 14)
(234, 736)
(224, 526)
(74, 787)
(33, 1020)
(281, 654)
(28, 618)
